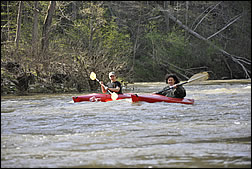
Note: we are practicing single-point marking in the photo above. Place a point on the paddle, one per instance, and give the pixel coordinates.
(114, 95)
(195, 78)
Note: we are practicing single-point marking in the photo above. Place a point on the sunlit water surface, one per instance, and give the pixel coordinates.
(52, 131)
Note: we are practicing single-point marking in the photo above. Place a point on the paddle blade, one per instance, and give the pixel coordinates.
(114, 96)
(92, 76)
(199, 77)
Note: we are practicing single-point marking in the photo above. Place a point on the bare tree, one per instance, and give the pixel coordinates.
(186, 16)
(46, 28)
(35, 30)
(166, 4)
(74, 10)
(8, 19)
(18, 31)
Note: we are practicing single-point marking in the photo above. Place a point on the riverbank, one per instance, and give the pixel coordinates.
(207, 82)
(60, 88)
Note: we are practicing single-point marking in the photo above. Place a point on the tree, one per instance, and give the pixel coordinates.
(35, 30)
(239, 60)
(18, 31)
(46, 29)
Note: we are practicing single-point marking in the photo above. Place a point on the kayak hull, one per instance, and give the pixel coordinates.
(153, 98)
(95, 97)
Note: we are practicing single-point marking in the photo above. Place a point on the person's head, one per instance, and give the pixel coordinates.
(171, 79)
(112, 76)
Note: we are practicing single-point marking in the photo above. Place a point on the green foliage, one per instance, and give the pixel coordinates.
(96, 32)
(145, 70)
(117, 42)
(169, 48)
(8, 20)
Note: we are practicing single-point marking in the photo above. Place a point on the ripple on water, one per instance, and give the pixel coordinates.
(54, 132)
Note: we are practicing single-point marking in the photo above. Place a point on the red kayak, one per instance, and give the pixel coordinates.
(152, 98)
(94, 97)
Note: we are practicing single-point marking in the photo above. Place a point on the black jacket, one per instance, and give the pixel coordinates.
(178, 92)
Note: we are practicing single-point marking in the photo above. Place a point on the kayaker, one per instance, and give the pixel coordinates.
(113, 85)
(172, 90)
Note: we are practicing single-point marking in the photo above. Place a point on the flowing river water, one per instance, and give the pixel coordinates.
(51, 131)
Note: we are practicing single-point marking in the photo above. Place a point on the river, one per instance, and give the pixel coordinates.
(52, 131)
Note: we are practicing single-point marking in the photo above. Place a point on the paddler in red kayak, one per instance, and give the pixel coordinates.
(172, 90)
(113, 85)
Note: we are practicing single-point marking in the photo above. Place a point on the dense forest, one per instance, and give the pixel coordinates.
(52, 46)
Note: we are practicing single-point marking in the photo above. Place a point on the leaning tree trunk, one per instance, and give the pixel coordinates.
(240, 60)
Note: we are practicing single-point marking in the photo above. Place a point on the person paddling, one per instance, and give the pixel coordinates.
(113, 85)
(172, 90)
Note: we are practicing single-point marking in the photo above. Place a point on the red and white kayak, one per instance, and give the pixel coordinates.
(152, 98)
(100, 97)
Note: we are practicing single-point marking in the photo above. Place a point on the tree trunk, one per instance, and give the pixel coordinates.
(8, 21)
(135, 49)
(35, 31)
(166, 4)
(46, 29)
(18, 31)
(186, 16)
(74, 10)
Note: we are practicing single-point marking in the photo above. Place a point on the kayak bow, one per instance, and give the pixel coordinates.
(152, 98)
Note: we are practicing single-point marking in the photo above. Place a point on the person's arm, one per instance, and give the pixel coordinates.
(163, 91)
(180, 92)
(104, 89)
(116, 89)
